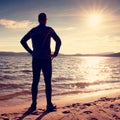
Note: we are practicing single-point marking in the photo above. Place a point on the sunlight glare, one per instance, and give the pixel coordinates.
(93, 74)
(94, 19)
(94, 16)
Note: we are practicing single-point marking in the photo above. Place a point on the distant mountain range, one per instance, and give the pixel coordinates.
(102, 54)
(99, 55)
(14, 54)
(26, 54)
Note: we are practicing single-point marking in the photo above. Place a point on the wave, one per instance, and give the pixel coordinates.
(83, 91)
(10, 96)
(9, 77)
(61, 78)
(26, 71)
(10, 86)
(56, 92)
(70, 84)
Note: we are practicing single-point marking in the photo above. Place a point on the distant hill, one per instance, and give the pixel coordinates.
(14, 54)
(101, 54)
(114, 55)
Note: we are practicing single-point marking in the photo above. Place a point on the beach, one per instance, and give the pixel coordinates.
(97, 106)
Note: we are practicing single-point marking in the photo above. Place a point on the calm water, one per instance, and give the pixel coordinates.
(71, 75)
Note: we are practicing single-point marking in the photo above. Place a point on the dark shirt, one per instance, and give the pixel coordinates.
(41, 39)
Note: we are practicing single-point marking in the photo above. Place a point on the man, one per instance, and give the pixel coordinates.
(41, 58)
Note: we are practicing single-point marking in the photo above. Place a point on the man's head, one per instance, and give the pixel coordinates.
(42, 18)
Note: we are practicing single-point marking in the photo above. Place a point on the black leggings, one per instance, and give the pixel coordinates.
(46, 67)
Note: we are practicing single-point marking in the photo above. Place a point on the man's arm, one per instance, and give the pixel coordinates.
(58, 43)
(24, 43)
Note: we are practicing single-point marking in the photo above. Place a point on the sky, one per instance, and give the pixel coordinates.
(84, 26)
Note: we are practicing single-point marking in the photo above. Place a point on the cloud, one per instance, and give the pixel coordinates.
(12, 24)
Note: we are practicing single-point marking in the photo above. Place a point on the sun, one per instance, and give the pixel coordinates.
(94, 19)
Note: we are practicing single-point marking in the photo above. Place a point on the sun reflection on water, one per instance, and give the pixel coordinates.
(94, 69)
(88, 73)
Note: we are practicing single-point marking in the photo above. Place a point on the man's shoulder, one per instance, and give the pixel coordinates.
(33, 29)
(36, 27)
(50, 29)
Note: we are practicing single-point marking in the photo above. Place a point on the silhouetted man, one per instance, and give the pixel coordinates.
(41, 58)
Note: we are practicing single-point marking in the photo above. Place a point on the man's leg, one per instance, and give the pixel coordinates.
(47, 72)
(36, 76)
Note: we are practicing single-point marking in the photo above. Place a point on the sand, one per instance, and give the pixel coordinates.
(97, 106)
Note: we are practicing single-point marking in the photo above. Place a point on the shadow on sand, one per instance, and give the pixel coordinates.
(42, 113)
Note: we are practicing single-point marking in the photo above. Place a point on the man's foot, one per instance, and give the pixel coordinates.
(51, 108)
(30, 110)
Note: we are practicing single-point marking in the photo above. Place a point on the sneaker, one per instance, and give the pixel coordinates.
(51, 108)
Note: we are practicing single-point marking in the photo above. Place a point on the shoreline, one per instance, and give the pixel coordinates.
(61, 100)
(100, 105)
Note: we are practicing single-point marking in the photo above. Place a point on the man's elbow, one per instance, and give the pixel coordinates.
(22, 42)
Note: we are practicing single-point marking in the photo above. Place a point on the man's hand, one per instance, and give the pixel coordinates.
(52, 56)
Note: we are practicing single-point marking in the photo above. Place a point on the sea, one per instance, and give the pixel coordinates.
(71, 75)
